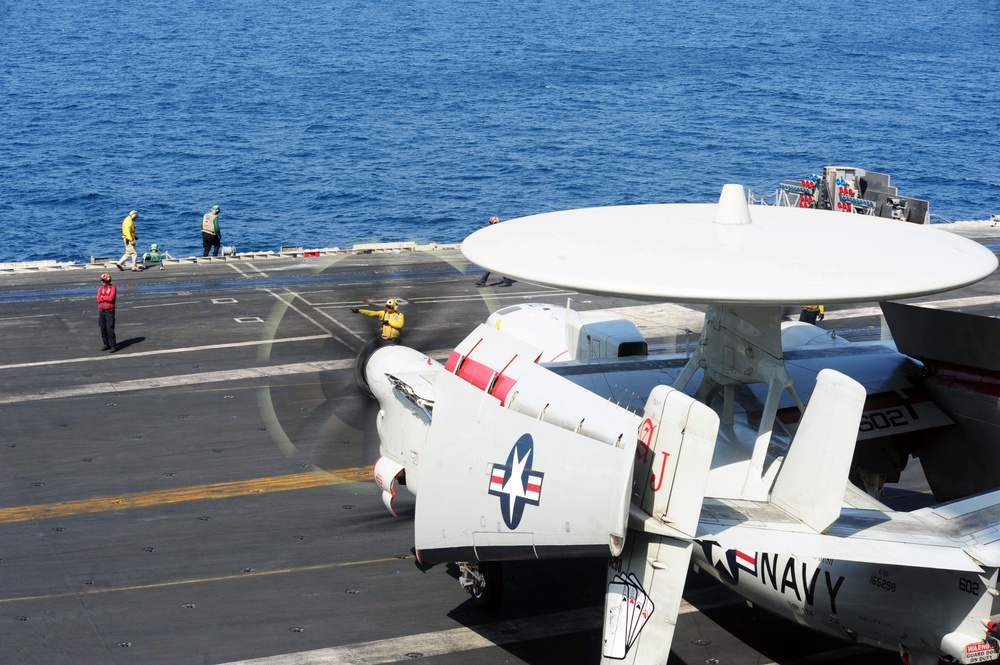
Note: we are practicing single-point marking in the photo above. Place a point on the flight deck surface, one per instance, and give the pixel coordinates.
(204, 495)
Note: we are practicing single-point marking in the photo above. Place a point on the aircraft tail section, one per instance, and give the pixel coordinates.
(810, 485)
(673, 458)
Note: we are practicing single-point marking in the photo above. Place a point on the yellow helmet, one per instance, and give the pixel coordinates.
(391, 303)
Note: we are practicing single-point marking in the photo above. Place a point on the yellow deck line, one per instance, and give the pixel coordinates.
(224, 490)
(205, 580)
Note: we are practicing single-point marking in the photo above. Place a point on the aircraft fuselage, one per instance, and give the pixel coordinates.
(877, 604)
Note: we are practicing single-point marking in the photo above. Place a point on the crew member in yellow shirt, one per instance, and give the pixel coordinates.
(812, 313)
(391, 318)
(128, 235)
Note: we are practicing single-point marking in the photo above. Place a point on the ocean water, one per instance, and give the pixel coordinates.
(326, 124)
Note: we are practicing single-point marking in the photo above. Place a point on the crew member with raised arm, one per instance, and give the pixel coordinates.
(391, 318)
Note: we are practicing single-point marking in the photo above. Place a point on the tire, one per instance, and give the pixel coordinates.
(489, 594)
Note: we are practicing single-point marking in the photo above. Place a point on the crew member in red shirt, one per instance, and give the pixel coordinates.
(106, 312)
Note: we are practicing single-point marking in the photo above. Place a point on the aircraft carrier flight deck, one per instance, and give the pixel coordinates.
(205, 495)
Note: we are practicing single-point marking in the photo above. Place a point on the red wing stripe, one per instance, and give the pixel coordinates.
(476, 373)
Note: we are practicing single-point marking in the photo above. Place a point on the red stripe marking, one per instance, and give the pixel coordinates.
(964, 378)
(502, 387)
(456, 358)
(453, 360)
(790, 414)
(887, 399)
(512, 359)
(476, 373)
(503, 383)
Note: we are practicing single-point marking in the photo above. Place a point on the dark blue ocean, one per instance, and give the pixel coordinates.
(323, 124)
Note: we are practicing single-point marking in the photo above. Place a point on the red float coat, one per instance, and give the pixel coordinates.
(106, 297)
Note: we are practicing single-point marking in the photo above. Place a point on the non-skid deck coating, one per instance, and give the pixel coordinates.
(204, 495)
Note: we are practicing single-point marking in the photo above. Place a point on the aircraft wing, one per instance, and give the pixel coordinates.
(499, 485)
(857, 535)
(952, 337)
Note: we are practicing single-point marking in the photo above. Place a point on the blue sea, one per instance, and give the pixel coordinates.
(323, 124)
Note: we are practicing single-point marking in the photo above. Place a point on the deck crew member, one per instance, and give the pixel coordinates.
(129, 236)
(106, 295)
(812, 313)
(391, 318)
(211, 236)
(486, 275)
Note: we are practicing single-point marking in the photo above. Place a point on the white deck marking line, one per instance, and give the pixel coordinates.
(856, 313)
(957, 302)
(316, 323)
(180, 380)
(186, 349)
(15, 319)
(455, 640)
(295, 309)
(199, 378)
(970, 301)
(296, 294)
(166, 304)
(249, 265)
(261, 272)
(460, 640)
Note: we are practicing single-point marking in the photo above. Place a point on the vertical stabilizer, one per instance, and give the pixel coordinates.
(674, 454)
(811, 482)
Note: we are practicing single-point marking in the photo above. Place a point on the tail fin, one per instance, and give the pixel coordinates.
(813, 476)
(674, 455)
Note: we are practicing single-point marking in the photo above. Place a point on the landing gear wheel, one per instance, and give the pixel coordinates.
(484, 582)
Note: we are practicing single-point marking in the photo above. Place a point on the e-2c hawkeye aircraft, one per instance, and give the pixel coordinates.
(512, 456)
